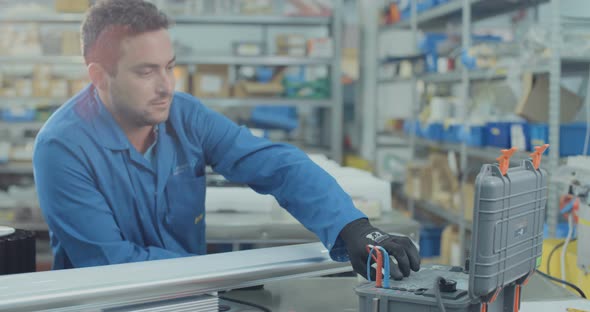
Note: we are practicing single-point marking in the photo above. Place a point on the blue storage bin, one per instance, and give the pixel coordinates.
(571, 137)
(498, 134)
(452, 134)
(472, 135)
(17, 115)
(429, 46)
(430, 237)
(408, 127)
(421, 6)
(275, 117)
(264, 74)
(538, 135)
(433, 131)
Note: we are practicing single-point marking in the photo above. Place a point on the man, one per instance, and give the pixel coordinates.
(120, 167)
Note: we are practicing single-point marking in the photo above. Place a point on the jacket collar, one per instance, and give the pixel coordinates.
(107, 129)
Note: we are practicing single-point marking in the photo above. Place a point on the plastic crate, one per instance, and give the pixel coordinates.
(433, 131)
(538, 135)
(473, 135)
(498, 134)
(408, 124)
(17, 114)
(276, 117)
(430, 237)
(421, 6)
(571, 137)
(452, 134)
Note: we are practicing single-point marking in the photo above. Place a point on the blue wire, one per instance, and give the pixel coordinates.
(386, 266)
(385, 256)
(569, 206)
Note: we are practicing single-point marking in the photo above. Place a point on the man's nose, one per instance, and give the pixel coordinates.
(165, 85)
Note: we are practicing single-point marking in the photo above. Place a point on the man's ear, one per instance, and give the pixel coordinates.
(98, 76)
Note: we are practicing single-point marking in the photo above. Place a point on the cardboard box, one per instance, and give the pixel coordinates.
(24, 87)
(418, 181)
(211, 81)
(77, 85)
(181, 75)
(41, 81)
(290, 40)
(450, 250)
(292, 51)
(70, 43)
(72, 6)
(255, 6)
(534, 105)
(59, 88)
(244, 89)
(10, 91)
(320, 47)
(248, 48)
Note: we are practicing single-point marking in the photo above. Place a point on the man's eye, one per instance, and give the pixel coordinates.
(145, 72)
(171, 67)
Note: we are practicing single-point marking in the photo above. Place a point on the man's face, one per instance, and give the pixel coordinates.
(143, 86)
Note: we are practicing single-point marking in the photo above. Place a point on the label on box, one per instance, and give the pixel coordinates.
(248, 49)
(416, 186)
(24, 87)
(59, 88)
(211, 83)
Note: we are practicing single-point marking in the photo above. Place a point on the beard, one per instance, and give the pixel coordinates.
(134, 115)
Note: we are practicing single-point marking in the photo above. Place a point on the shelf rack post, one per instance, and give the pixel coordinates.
(554, 104)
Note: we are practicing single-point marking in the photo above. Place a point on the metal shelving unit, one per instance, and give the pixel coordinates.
(59, 18)
(435, 209)
(452, 10)
(476, 75)
(237, 102)
(487, 153)
(464, 12)
(16, 168)
(333, 105)
(181, 59)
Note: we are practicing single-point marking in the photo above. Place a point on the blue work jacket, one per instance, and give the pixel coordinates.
(105, 203)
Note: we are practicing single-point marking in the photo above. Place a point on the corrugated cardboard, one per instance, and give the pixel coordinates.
(24, 87)
(181, 75)
(450, 251)
(290, 40)
(211, 81)
(41, 81)
(244, 89)
(59, 88)
(72, 6)
(534, 105)
(70, 43)
(418, 181)
(77, 85)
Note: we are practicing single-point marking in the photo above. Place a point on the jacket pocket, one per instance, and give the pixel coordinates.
(185, 215)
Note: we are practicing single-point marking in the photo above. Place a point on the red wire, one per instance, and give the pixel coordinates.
(379, 260)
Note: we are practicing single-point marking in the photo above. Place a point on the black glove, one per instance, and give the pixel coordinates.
(360, 233)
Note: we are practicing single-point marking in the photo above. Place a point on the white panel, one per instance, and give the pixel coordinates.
(395, 102)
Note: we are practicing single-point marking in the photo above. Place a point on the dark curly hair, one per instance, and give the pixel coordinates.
(110, 21)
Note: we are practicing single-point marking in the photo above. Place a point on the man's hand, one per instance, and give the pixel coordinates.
(360, 233)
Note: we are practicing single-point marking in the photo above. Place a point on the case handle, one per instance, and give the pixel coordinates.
(504, 159)
(537, 155)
